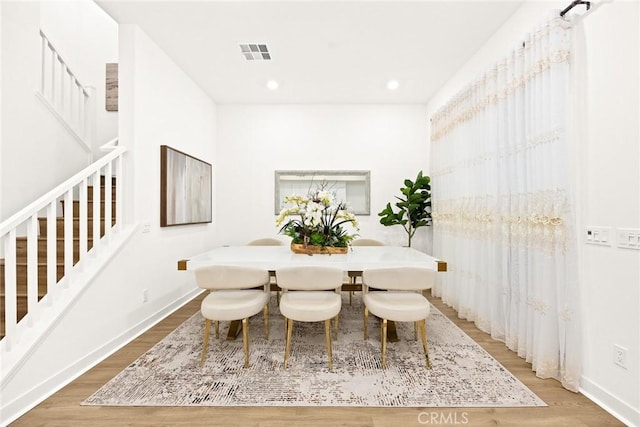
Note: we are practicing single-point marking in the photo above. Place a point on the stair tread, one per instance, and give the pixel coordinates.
(25, 263)
(22, 238)
(23, 294)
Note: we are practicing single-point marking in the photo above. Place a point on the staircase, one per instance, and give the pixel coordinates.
(22, 250)
(50, 245)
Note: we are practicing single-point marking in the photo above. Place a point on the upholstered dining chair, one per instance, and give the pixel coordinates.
(269, 241)
(396, 294)
(310, 294)
(233, 297)
(353, 276)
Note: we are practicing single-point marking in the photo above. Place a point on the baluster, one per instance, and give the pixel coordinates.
(119, 190)
(70, 94)
(96, 210)
(63, 72)
(52, 251)
(53, 73)
(107, 199)
(43, 58)
(32, 268)
(82, 221)
(68, 232)
(10, 293)
(81, 107)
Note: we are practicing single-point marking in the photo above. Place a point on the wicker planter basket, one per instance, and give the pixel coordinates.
(299, 248)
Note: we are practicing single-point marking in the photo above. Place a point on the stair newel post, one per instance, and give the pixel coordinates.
(96, 210)
(68, 232)
(52, 252)
(82, 222)
(32, 268)
(108, 178)
(10, 292)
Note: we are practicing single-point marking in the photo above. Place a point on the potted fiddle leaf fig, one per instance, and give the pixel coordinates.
(414, 206)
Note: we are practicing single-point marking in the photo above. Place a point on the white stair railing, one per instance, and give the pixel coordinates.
(67, 98)
(26, 224)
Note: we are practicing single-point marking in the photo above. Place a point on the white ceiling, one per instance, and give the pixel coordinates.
(322, 51)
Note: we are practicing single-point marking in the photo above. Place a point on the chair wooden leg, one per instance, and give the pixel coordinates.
(415, 331)
(423, 334)
(217, 329)
(353, 282)
(288, 345)
(383, 338)
(205, 344)
(327, 332)
(245, 340)
(366, 323)
(336, 326)
(266, 321)
(285, 327)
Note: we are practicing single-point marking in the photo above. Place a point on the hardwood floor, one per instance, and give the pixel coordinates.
(63, 408)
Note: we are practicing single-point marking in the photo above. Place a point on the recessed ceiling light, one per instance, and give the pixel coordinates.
(393, 84)
(272, 85)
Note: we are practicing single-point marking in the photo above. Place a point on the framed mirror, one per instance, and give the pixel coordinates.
(351, 187)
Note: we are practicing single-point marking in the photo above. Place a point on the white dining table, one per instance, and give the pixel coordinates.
(357, 259)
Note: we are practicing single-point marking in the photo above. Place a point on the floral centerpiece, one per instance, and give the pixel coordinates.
(316, 222)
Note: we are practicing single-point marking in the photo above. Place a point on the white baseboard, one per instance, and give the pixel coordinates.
(616, 407)
(22, 404)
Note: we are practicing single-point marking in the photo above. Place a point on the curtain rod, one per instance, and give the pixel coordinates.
(574, 4)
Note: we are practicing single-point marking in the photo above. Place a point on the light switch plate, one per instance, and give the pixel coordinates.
(598, 235)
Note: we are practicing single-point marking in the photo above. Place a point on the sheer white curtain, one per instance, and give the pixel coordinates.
(503, 213)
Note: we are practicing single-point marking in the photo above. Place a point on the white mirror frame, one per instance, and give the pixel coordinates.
(319, 176)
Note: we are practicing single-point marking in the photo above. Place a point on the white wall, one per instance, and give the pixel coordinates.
(161, 105)
(37, 152)
(256, 140)
(1, 117)
(606, 70)
(87, 39)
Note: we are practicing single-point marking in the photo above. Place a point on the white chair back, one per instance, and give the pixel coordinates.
(309, 278)
(399, 278)
(230, 277)
(366, 242)
(267, 241)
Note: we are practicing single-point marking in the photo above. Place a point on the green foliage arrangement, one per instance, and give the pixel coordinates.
(316, 220)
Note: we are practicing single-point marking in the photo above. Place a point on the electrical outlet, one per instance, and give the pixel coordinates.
(628, 238)
(620, 356)
(146, 227)
(145, 295)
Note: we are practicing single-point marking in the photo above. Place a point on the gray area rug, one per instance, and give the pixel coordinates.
(463, 374)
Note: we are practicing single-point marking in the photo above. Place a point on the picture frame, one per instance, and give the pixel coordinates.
(186, 191)
(111, 87)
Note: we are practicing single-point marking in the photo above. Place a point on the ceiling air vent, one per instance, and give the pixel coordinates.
(255, 52)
